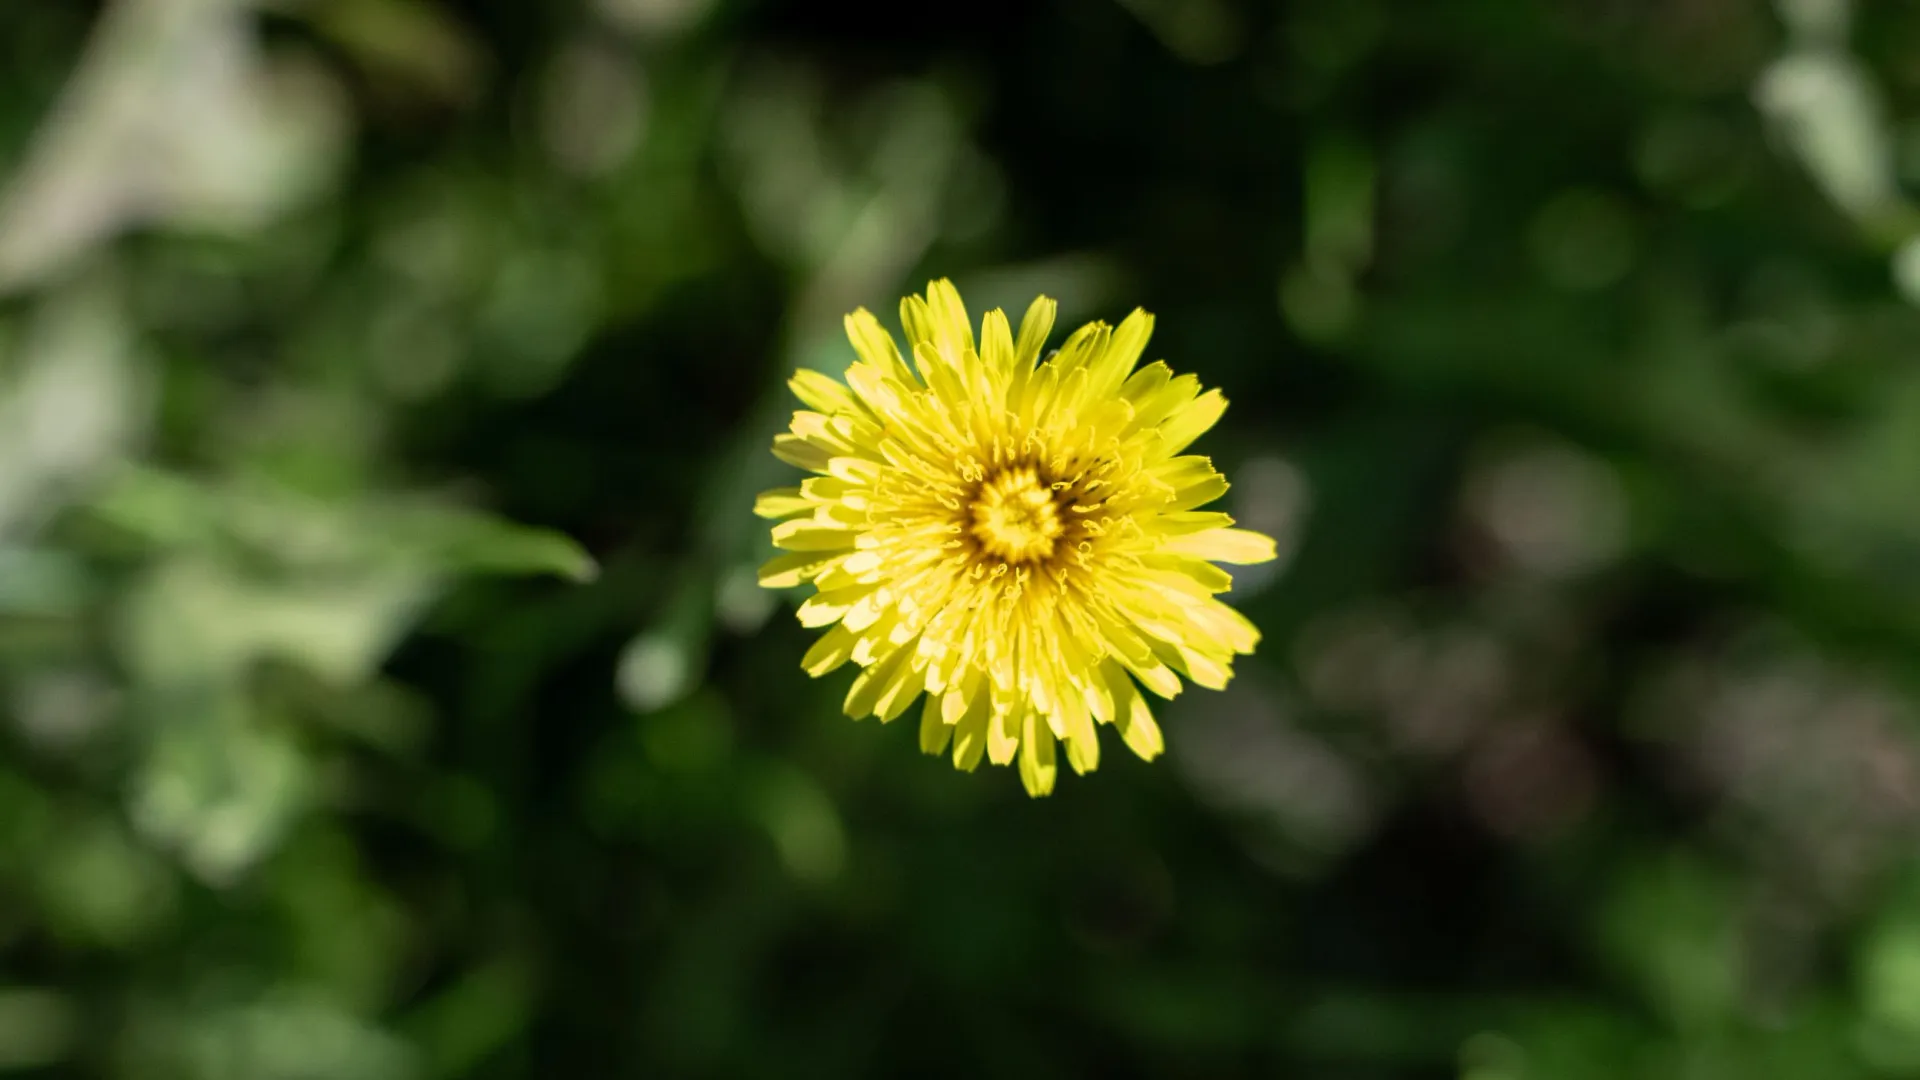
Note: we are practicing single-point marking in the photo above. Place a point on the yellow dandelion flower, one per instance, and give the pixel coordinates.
(1021, 541)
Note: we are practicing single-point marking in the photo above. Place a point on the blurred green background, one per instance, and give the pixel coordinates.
(386, 694)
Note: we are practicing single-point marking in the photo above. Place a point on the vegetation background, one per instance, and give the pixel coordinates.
(1575, 364)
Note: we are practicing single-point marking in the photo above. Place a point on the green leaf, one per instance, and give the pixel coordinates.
(420, 533)
(469, 541)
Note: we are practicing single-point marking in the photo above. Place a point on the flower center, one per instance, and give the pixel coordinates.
(1015, 517)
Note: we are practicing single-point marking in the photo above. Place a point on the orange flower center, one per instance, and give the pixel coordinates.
(1016, 517)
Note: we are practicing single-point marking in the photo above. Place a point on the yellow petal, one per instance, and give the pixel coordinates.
(822, 392)
(1187, 568)
(1238, 546)
(1155, 675)
(1226, 627)
(1083, 347)
(1193, 480)
(826, 608)
(1145, 386)
(875, 636)
(787, 571)
(1200, 494)
(1035, 325)
(807, 535)
(934, 732)
(1191, 421)
(996, 344)
(1083, 752)
(1031, 392)
(819, 430)
(1122, 351)
(917, 320)
(797, 451)
(1156, 398)
(868, 687)
(1186, 521)
(831, 651)
(952, 332)
(943, 377)
(1134, 719)
(1003, 736)
(1037, 767)
(970, 735)
(781, 503)
(901, 690)
(964, 694)
(875, 345)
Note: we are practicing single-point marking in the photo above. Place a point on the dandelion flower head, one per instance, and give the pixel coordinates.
(1018, 540)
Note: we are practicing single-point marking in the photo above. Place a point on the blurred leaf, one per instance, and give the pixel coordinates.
(1667, 926)
(414, 44)
(458, 541)
(172, 511)
(37, 1027)
(473, 1017)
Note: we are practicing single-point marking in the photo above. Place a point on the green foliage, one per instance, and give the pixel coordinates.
(387, 694)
